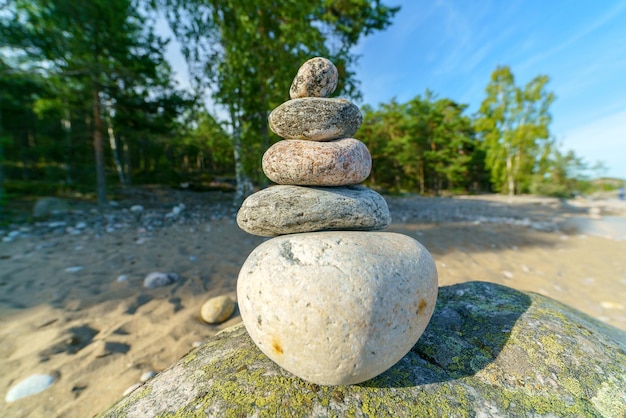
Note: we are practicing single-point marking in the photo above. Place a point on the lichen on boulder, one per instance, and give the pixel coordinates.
(489, 350)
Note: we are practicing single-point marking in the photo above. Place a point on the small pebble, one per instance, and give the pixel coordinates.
(33, 384)
(147, 375)
(136, 208)
(56, 224)
(74, 269)
(122, 278)
(217, 310)
(611, 305)
(131, 389)
(507, 274)
(157, 279)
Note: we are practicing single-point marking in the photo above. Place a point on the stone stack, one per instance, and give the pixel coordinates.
(328, 299)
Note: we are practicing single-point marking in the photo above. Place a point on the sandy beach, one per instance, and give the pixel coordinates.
(65, 311)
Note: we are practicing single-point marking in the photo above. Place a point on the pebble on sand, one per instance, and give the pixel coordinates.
(74, 269)
(147, 375)
(157, 279)
(130, 389)
(217, 310)
(32, 385)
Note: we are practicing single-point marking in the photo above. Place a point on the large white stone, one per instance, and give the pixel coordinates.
(337, 307)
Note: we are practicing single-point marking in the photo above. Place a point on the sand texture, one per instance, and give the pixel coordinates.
(97, 335)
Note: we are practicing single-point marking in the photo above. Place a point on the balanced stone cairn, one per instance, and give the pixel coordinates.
(327, 298)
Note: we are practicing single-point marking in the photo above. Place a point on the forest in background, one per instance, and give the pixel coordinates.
(88, 103)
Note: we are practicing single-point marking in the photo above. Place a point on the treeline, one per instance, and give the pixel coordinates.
(87, 100)
(429, 145)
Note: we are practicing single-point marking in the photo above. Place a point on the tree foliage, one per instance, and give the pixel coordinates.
(79, 77)
(514, 125)
(246, 52)
(104, 66)
(424, 145)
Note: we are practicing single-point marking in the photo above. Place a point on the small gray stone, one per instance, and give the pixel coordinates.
(337, 308)
(47, 206)
(281, 209)
(217, 310)
(32, 385)
(147, 375)
(157, 279)
(334, 163)
(316, 78)
(131, 389)
(315, 119)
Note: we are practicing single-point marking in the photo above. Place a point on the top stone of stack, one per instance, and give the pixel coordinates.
(316, 78)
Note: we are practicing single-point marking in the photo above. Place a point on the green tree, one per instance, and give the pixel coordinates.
(514, 125)
(424, 145)
(246, 52)
(99, 52)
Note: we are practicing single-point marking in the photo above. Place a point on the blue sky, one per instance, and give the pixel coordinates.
(452, 46)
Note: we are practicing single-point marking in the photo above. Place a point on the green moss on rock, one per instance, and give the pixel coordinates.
(488, 350)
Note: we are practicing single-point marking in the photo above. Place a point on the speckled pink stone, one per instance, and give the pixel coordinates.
(307, 163)
(316, 78)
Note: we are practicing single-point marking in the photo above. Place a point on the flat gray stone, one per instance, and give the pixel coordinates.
(316, 78)
(340, 162)
(337, 308)
(488, 351)
(280, 210)
(315, 119)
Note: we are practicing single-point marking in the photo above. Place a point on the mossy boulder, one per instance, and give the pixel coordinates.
(489, 350)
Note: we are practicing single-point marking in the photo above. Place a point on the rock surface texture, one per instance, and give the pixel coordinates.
(337, 307)
(315, 119)
(328, 299)
(316, 78)
(488, 351)
(280, 210)
(333, 163)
